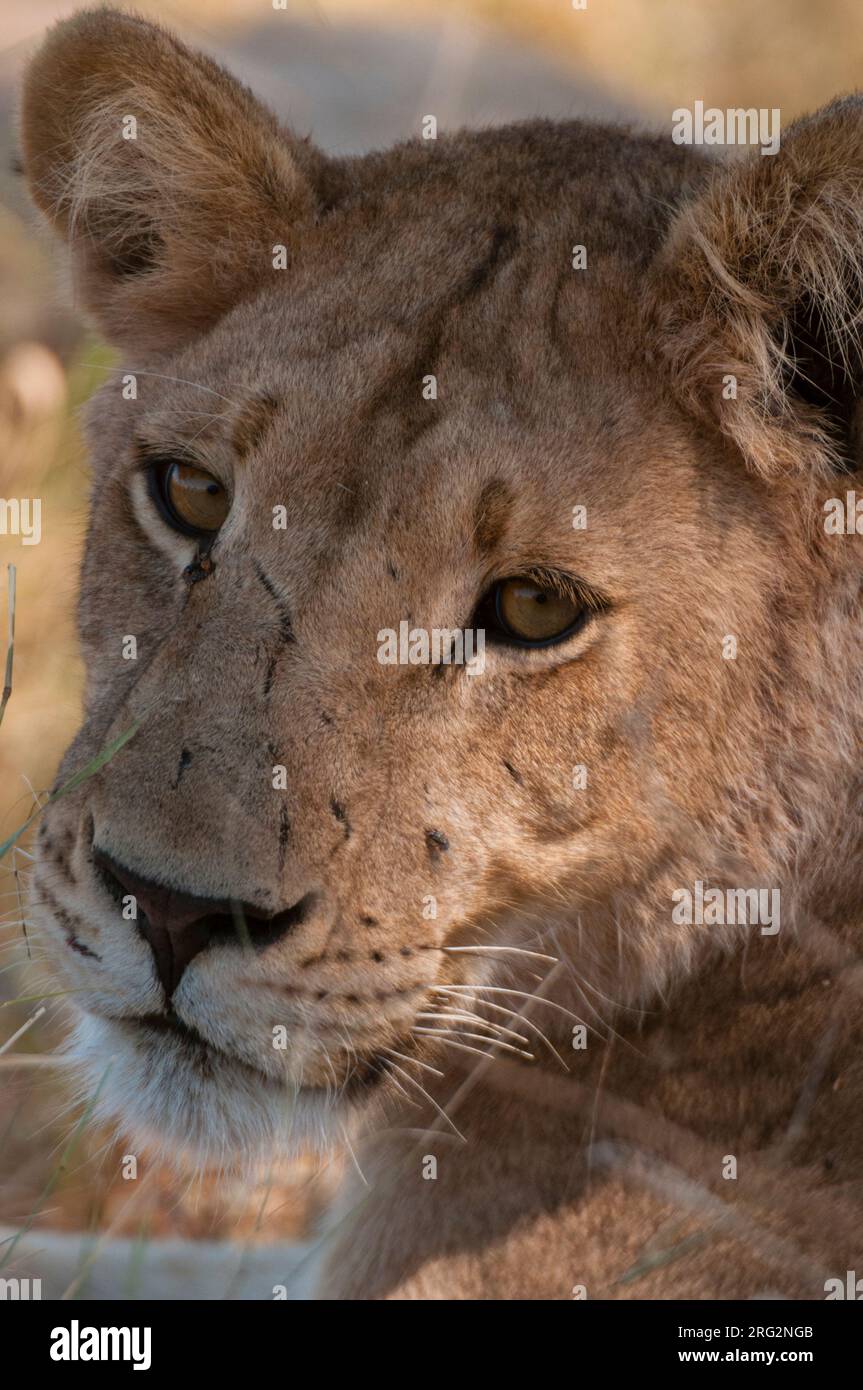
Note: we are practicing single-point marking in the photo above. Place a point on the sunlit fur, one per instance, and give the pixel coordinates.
(302, 388)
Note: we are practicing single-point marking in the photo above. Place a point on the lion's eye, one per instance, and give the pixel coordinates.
(190, 499)
(533, 614)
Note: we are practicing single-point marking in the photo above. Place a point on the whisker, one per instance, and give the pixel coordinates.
(477, 1037)
(521, 1019)
(444, 1116)
(349, 1047)
(476, 1018)
(448, 1041)
(416, 1061)
(162, 377)
(18, 964)
(399, 1087)
(606, 998)
(616, 1004)
(336, 1087)
(350, 1149)
(513, 950)
(520, 994)
(611, 1032)
(422, 1133)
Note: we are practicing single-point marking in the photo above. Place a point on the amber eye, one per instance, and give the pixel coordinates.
(190, 499)
(533, 614)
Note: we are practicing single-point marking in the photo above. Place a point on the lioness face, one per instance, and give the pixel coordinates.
(423, 415)
(343, 819)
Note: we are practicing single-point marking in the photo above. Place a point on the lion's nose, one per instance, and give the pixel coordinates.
(178, 925)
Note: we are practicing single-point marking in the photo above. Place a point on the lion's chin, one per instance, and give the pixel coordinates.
(195, 1108)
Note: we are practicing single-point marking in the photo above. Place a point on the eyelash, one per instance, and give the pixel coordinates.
(566, 586)
(589, 602)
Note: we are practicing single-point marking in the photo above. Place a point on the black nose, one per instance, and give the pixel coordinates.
(178, 925)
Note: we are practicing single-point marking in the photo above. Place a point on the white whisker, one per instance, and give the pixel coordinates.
(416, 1061)
(182, 381)
(477, 1037)
(447, 1041)
(475, 1018)
(400, 1088)
(517, 993)
(513, 950)
(350, 1148)
(521, 1019)
(444, 1116)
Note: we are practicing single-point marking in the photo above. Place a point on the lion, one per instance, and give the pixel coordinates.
(498, 927)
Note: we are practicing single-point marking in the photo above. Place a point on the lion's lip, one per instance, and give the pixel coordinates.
(365, 1074)
(175, 1026)
(169, 1023)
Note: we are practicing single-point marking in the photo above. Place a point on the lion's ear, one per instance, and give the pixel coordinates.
(169, 181)
(759, 296)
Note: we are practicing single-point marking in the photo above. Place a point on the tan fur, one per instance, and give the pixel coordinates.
(557, 388)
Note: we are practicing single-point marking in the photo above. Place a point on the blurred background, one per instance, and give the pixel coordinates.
(355, 74)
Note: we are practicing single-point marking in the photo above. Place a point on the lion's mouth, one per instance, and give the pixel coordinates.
(365, 1074)
(195, 1047)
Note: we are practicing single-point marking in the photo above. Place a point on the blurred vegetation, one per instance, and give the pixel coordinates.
(654, 55)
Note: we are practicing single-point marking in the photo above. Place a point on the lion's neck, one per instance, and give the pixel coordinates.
(767, 1035)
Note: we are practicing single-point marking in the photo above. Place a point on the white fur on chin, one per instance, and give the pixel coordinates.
(155, 1093)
